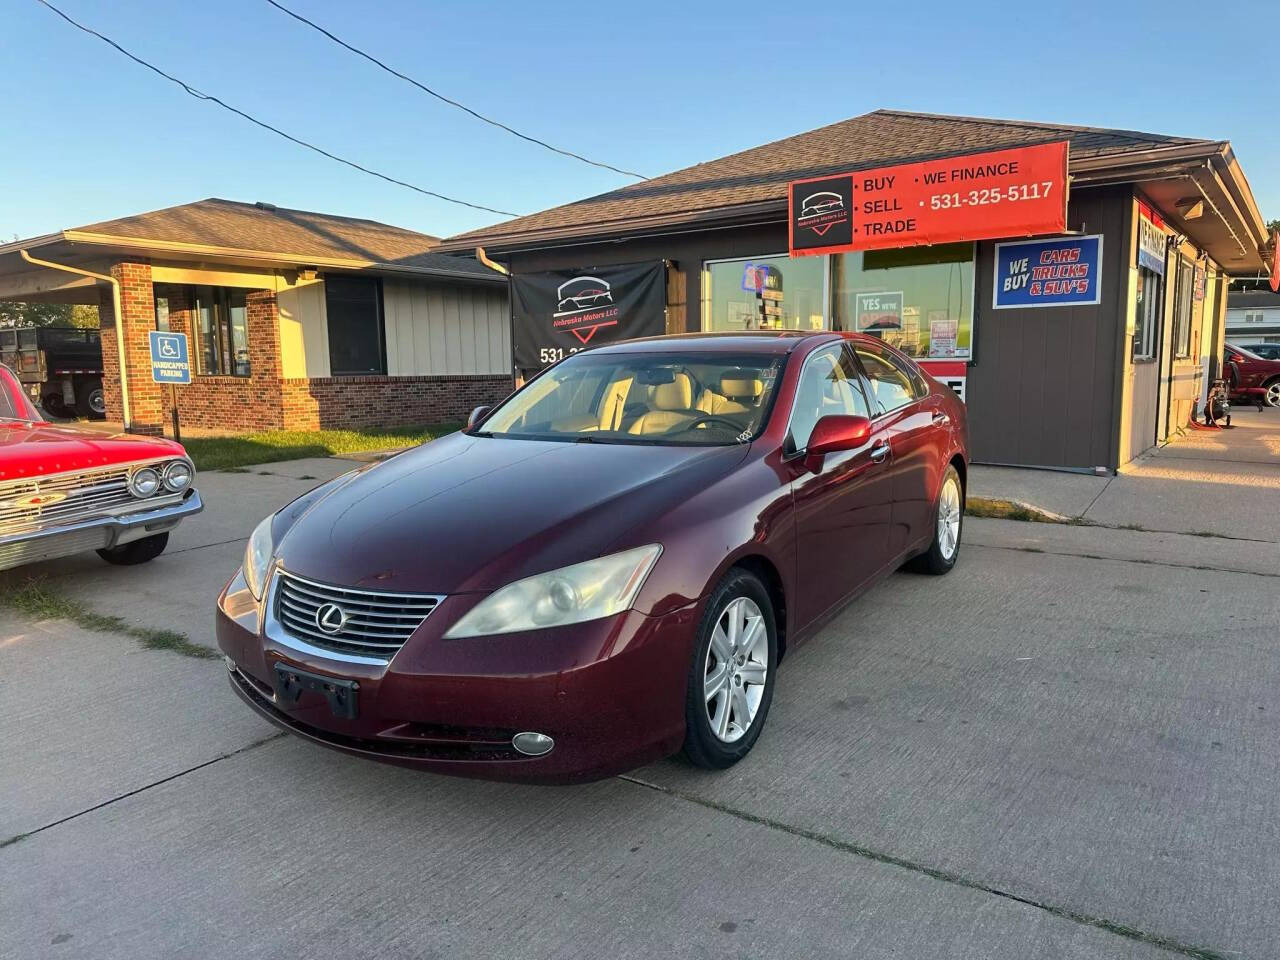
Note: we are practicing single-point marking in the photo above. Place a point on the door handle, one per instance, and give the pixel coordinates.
(940, 419)
(880, 451)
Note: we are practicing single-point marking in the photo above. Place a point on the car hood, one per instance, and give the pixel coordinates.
(32, 448)
(465, 514)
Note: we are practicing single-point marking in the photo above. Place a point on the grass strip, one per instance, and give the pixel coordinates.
(38, 601)
(235, 453)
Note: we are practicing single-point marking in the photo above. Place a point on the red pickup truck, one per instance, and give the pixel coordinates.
(66, 489)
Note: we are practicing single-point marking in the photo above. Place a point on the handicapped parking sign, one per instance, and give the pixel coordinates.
(169, 360)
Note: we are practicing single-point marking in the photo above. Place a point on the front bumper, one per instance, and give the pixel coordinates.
(610, 693)
(96, 533)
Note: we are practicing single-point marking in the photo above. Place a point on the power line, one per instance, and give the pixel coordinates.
(266, 126)
(453, 103)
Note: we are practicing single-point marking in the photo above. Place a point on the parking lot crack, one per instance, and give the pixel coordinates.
(1142, 560)
(18, 838)
(1115, 927)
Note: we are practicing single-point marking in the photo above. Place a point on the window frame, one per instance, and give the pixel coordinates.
(1183, 309)
(380, 326)
(219, 302)
(842, 346)
(919, 386)
(1147, 326)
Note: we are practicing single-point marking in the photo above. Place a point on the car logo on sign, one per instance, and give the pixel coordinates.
(33, 500)
(331, 618)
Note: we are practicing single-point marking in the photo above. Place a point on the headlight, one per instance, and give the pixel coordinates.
(178, 476)
(584, 591)
(144, 482)
(257, 557)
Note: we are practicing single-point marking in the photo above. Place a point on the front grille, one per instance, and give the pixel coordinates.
(85, 495)
(374, 623)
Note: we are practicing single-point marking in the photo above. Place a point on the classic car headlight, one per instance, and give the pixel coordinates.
(584, 591)
(178, 476)
(257, 557)
(144, 482)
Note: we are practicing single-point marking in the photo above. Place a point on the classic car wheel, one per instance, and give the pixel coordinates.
(90, 400)
(138, 551)
(731, 677)
(949, 519)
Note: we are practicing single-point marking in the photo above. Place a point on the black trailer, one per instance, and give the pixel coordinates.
(60, 367)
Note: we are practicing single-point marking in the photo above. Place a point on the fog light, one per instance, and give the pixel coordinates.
(532, 744)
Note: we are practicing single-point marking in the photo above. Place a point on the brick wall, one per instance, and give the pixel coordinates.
(137, 307)
(263, 400)
(342, 402)
(230, 403)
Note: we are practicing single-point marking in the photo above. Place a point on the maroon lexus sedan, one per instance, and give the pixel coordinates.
(607, 567)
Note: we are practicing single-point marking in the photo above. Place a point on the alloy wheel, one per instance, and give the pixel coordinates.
(736, 669)
(1273, 394)
(949, 518)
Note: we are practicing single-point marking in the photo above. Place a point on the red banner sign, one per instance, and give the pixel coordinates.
(981, 196)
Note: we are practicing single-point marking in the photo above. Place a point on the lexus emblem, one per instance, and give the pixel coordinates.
(331, 618)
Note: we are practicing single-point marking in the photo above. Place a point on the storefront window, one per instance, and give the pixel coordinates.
(1150, 287)
(1182, 306)
(919, 299)
(764, 293)
(222, 332)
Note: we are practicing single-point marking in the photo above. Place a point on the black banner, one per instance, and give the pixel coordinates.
(821, 214)
(559, 312)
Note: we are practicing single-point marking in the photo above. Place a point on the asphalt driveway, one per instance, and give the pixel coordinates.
(1066, 748)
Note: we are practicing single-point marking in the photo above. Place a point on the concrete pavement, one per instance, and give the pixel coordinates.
(1220, 482)
(1064, 748)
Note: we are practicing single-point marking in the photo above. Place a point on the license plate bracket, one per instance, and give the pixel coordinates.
(341, 695)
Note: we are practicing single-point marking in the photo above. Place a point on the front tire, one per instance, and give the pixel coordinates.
(948, 522)
(136, 551)
(731, 678)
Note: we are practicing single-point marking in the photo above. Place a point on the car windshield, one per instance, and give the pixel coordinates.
(670, 397)
(1245, 352)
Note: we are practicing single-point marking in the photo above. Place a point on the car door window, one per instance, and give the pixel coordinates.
(828, 385)
(893, 384)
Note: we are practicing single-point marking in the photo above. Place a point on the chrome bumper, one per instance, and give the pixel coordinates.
(99, 532)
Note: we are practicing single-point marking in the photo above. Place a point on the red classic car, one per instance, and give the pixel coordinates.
(66, 489)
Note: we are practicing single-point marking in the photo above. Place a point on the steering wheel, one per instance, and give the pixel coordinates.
(710, 418)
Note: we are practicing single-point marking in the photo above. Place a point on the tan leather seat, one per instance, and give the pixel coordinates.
(670, 407)
(737, 394)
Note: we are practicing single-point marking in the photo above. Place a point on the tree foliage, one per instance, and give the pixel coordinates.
(16, 314)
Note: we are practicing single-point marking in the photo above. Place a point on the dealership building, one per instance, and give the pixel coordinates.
(1104, 353)
(294, 319)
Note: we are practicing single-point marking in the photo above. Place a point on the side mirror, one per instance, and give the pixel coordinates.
(835, 433)
(477, 415)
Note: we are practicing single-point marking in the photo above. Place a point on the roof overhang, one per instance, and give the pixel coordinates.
(1231, 229)
(20, 281)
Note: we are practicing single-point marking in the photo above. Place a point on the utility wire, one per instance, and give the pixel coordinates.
(453, 103)
(266, 126)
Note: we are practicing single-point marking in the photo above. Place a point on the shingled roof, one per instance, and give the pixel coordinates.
(248, 231)
(759, 176)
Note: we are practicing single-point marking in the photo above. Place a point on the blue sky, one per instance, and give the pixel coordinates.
(646, 86)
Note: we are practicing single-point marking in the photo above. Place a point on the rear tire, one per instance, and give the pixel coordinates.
(53, 404)
(90, 400)
(136, 551)
(948, 521)
(1272, 398)
(730, 682)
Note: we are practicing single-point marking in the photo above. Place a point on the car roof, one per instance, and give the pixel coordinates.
(766, 342)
